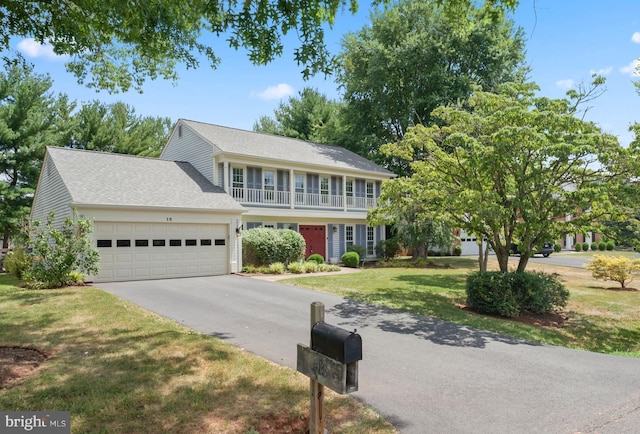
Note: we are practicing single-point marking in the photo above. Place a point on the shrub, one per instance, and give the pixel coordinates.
(317, 258)
(264, 246)
(351, 259)
(616, 268)
(602, 246)
(557, 247)
(594, 246)
(76, 278)
(510, 294)
(57, 253)
(360, 250)
(388, 249)
(578, 247)
(457, 251)
(295, 268)
(610, 245)
(310, 267)
(17, 262)
(276, 268)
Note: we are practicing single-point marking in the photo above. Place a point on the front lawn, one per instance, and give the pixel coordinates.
(120, 369)
(598, 318)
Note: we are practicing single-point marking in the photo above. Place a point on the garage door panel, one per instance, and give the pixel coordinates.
(146, 252)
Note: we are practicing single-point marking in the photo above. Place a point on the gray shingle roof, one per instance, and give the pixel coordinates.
(249, 143)
(98, 178)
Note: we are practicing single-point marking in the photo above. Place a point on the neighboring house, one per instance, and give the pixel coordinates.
(321, 191)
(183, 215)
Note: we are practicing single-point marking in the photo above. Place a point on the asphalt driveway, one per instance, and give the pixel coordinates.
(425, 375)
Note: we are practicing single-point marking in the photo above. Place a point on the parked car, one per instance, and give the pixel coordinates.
(545, 250)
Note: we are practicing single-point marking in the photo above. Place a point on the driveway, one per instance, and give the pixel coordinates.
(423, 374)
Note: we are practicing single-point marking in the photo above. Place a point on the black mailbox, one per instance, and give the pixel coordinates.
(339, 344)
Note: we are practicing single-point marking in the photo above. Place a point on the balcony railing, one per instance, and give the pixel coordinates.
(253, 196)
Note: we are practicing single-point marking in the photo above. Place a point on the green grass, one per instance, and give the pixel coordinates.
(600, 319)
(118, 368)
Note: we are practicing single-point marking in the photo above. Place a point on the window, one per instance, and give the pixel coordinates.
(269, 185)
(104, 243)
(370, 241)
(159, 243)
(220, 242)
(123, 243)
(238, 177)
(175, 243)
(142, 243)
(369, 190)
(324, 189)
(190, 242)
(299, 183)
(349, 236)
(348, 188)
(205, 242)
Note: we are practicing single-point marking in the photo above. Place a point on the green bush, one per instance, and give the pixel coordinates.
(295, 268)
(17, 262)
(610, 245)
(360, 250)
(264, 246)
(276, 268)
(59, 255)
(557, 247)
(310, 267)
(578, 247)
(457, 251)
(387, 249)
(351, 259)
(602, 246)
(510, 294)
(317, 258)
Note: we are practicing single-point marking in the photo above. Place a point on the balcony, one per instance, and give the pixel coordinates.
(282, 199)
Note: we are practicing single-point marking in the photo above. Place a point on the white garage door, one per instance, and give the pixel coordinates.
(138, 251)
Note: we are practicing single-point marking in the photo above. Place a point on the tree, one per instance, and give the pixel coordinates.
(115, 45)
(418, 228)
(616, 268)
(311, 116)
(509, 166)
(31, 118)
(412, 59)
(116, 128)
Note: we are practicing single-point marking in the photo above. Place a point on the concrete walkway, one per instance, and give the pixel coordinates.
(425, 375)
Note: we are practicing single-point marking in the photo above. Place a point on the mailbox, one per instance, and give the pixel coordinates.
(339, 344)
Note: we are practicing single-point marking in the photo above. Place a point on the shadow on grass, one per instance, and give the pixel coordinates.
(358, 314)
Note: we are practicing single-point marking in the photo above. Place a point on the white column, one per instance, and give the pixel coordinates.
(225, 177)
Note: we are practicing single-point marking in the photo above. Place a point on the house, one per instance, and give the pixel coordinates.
(183, 215)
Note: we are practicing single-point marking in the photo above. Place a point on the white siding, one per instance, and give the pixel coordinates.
(52, 195)
(190, 148)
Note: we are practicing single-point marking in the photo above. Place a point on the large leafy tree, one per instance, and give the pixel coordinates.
(115, 44)
(309, 116)
(31, 118)
(116, 128)
(413, 58)
(509, 166)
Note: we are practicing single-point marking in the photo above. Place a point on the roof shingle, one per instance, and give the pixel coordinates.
(98, 178)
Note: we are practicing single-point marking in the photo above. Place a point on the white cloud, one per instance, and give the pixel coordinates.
(631, 69)
(32, 48)
(565, 84)
(279, 91)
(602, 71)
(636, 37)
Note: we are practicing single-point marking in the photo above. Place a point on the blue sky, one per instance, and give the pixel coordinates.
(567, 40)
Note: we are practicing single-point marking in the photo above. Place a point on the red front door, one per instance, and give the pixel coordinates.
(315, 238)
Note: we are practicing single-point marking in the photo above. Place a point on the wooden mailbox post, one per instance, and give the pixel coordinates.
(332, 361)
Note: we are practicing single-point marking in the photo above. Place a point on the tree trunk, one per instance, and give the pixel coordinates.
(524, 260)
(482, 259)
(5, 239)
